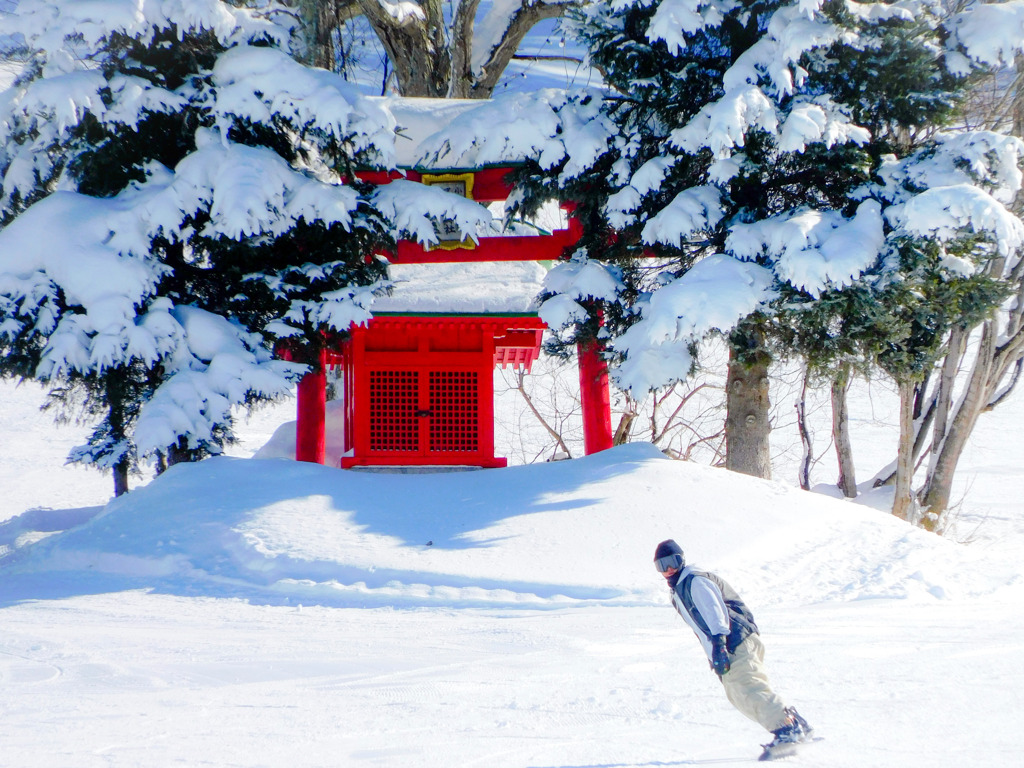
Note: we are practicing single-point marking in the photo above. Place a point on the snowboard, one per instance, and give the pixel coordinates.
(784, 749)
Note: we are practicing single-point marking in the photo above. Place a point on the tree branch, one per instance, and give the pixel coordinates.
(520, 23)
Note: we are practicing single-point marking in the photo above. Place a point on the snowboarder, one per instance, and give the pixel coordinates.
(725, 627)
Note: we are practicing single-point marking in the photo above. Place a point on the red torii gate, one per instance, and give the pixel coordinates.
(418, 390)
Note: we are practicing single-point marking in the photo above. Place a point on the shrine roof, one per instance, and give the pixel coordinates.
(464, 288)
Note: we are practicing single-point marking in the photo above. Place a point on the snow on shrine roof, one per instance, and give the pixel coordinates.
(418, 119)
(449, 134)
(465, 134)
(504, 287)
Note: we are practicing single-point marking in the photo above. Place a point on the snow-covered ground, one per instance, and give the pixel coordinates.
(245, 612)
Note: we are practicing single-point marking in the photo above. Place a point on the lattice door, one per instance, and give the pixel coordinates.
(454, 411)
(394, 403)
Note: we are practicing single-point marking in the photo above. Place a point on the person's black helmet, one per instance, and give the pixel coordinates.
(667, 555)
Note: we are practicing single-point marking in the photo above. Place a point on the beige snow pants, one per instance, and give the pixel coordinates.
(746, 686)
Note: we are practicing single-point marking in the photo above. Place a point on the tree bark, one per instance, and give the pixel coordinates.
(117, 419)
(944, 393)
(847, 481)
(120, 473)
(805, 438)
(985, 377)
(903, 505)
(481, 84)
(462, 50)
(1018, 120)
(425, 61)
(416, 46)
(747, 426)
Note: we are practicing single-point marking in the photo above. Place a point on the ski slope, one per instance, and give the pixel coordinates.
(250, 612)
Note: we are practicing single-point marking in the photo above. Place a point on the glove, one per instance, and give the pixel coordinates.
(719, 655)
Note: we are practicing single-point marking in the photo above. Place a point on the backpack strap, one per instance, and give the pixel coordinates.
(685, 593)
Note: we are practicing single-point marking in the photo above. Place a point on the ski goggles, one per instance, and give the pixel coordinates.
(669, 561)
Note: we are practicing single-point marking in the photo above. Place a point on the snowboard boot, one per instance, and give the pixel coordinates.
(788, 737)
(794, 731)
(802, 725)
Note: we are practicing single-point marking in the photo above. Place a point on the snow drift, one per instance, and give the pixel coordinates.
(539, 536)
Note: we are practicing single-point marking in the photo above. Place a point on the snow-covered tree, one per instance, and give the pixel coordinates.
(770, 155)
(757, 149)
(728, 178)
(180, 201)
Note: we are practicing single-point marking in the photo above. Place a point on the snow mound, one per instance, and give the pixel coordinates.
(554, 535)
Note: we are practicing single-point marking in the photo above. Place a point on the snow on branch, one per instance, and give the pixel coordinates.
(946, 212)
(962, 183)
(261, 84)
(248, 191)
(819, 120)
(55, 250)
(759, 80)
(987, 159)
(569, 283)
(723, 125)
(217, 366)
(62, 100)
(676, 18)
(46, 25)
(712, 295)
(989, 33)
(648, 178)
(582, 280)
(814, 250)
(693, 210)
(403, 12)
(338, 310)
(59, 245)
(416, 211)
(715, 293)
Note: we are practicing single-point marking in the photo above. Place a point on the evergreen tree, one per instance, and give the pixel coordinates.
(767, 156)
(179, 200)
(728, 152)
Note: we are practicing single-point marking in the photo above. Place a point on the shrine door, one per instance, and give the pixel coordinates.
(423, 414)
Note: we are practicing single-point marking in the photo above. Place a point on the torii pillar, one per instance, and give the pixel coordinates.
(311, 423)
(595, 397)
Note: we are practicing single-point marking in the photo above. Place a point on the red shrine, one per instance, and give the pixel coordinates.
(418, 387)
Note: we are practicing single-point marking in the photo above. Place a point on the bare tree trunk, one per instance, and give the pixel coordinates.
(321, 21)
(117, 419)
(841, 433)
(903, 503)
(462, 50)
(922, 411)
(937, 491)
(625, 428)
(429, 59)
(1017, 127)
(944, 394)
(804, 474)
(938, 457)
(527, 16)
(416, 46)
(990, 368)
(746, 423)
(120, 473)
(999, 352)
